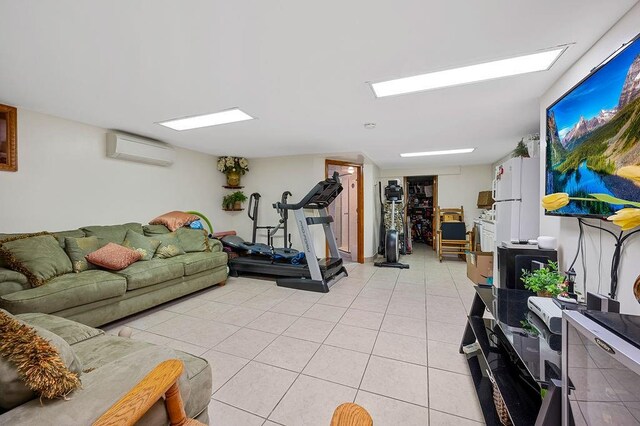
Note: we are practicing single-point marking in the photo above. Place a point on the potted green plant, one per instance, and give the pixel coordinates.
(546, 282)
(234, 200)
(521, 150)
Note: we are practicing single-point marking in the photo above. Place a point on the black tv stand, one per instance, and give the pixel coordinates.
(507, 352)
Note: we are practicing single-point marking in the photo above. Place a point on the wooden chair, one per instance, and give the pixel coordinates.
(453, 238)
(163, 380)
(350, 414)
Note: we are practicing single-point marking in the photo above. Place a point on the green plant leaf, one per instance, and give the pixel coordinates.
(613, 200)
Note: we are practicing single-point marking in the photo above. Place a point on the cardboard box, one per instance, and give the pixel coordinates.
(479, 266)
(485, 200)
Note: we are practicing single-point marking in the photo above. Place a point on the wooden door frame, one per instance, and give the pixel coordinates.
(360, 207)
(434, 225)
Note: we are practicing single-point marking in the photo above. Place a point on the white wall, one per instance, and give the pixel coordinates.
(372, 217)
(457, 186)
(599, 245)
(298, 174)
(271, 177)
(64, 181)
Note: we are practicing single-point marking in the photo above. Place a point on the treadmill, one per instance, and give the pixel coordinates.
(317, 274)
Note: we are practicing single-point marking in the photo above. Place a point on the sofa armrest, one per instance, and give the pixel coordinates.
(12, 281)
(101, 388)
(216, 245)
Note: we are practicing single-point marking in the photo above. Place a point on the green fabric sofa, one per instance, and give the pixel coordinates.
(96, 297)
(112, 366)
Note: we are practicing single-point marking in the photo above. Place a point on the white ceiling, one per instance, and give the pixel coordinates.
(299, 66)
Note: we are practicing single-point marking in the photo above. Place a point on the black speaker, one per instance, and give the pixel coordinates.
(599, 302)
(510, 271)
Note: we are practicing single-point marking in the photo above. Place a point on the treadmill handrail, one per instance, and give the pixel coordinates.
(319, 188)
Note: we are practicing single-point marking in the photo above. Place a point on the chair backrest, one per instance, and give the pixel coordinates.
(453, 230)
(450, 214)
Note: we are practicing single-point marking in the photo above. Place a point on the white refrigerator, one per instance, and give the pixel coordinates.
(516, 191)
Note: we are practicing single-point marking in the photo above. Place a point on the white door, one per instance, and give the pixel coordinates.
(344, 226)
(353, 215)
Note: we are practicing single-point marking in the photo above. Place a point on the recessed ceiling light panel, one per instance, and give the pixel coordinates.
(540, 61)
(223, 117)
(445, 152)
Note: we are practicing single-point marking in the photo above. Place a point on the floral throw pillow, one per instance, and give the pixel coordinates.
(145, 245)
(114, 257)
(169, 246)
(77, 249)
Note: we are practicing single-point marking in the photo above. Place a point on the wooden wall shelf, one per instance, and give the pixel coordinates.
(232, 187)
(232, 210)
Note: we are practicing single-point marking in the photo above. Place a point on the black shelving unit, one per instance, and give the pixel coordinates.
(420, 208)
(520, 391)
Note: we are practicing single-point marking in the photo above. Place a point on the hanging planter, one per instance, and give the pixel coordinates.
(233, 178)
(233, 168)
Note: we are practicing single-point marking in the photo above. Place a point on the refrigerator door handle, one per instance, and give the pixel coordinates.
(494, 185)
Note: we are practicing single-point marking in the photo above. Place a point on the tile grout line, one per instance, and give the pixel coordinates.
(307, 363)
(376, 339)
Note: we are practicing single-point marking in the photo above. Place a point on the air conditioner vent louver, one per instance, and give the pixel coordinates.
(133, 148)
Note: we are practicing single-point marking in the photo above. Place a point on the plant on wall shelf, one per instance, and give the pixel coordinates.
(233, 167)
(547, 282)
(234, 200)
(521, 150)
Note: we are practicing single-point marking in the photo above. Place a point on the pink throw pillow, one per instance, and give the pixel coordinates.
(114, 257)
(174, 220)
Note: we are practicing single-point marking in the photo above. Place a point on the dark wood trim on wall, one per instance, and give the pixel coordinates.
(11, 114)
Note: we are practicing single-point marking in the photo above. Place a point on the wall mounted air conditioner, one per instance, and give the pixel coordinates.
(134, 148)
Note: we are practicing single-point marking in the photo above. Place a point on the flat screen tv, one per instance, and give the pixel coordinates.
(592, 136)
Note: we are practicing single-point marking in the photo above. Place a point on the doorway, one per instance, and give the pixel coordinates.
(347, 210)
(422, 199)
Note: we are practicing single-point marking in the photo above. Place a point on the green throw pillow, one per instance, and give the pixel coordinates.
(193, 240)
(169, 246)
(111, 233)
(61, 235)
(78, 248)
(150, 230)
(38, 256)
(147, 246)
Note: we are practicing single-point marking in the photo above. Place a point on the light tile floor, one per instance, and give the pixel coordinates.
(384, 338)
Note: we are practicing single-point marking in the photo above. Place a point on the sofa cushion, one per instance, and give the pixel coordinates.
(146, 246)
(37, 256)
(66, 291)
(108, 350)
(101, 388)
(195, 263)
(61, 235)
(34, 361)
(193, 240)
(71, 331)
(200, 380)
(174, 220)
(111, 233)
(169, 246)
(77, 249)
(114, 257)
(144, 274)
(151, 230)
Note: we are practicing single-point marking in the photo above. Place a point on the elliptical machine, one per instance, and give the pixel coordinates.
(391, 246)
